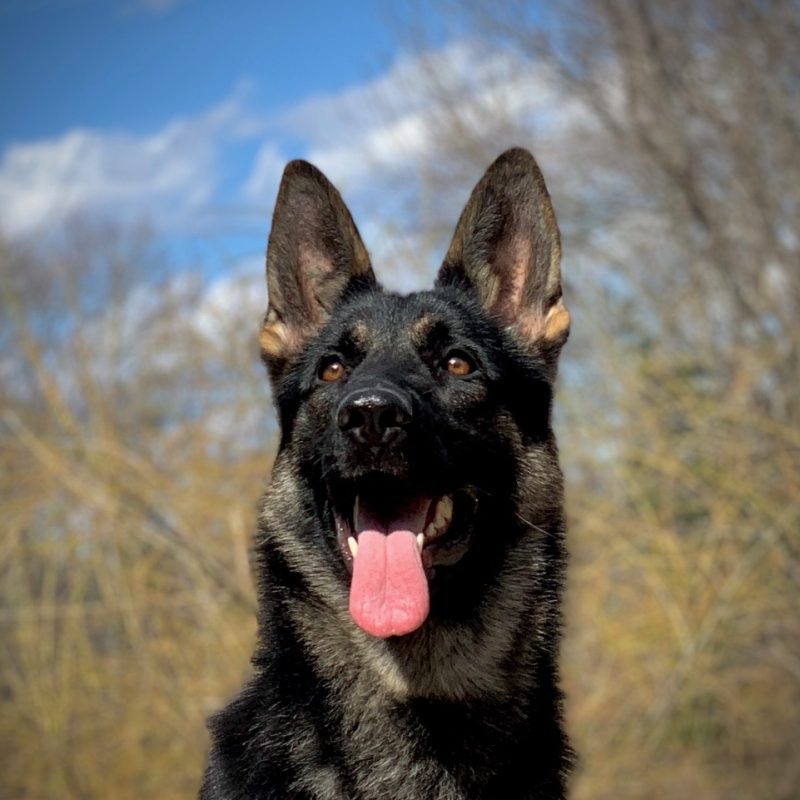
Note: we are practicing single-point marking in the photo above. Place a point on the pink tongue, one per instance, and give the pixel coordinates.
(389, 592)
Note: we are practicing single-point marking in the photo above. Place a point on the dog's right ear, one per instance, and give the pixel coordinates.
(315, 256)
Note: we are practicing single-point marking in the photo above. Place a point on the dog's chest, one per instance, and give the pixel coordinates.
(379, 747)
(380, 755)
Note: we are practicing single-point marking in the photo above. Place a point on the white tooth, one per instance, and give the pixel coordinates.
(420, 541)
(445, 507)
(353, 545)
(430, 530)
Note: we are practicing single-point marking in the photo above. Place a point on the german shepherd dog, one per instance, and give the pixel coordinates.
(410, 549)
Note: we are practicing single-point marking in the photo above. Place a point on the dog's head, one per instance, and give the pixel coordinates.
(416, 422)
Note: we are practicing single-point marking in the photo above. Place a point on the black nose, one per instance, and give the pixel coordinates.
(374, 417)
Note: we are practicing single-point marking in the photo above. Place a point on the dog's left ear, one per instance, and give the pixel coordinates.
(507, 251)
(315, 256)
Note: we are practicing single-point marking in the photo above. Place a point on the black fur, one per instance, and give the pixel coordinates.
(468, 705)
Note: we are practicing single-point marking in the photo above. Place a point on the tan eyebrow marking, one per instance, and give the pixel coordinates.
(361, 334)
(420, 328)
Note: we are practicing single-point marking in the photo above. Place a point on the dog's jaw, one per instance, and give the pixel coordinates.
(392, 543)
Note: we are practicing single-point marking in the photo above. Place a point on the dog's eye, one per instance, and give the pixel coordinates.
(459, 364)
(331, 370)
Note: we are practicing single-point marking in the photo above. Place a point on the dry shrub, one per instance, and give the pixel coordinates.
(125, 600)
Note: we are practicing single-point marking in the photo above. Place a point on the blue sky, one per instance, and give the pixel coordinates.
(182, 114)
(178, 112)
(135, 63)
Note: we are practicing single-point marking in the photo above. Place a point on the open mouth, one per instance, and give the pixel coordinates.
(393, 541)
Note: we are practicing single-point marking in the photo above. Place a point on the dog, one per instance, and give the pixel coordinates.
(410, 551)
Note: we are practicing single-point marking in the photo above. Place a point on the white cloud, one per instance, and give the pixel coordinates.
(238, 297)
(397, 119)
(168, 175)
(265, 174)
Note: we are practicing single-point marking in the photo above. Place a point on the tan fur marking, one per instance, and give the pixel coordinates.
(554, 273)
(420, 329)
(279, 340)
(274, 338)
(491, 288)
(533, 327)
(361, 335)
(556, 323)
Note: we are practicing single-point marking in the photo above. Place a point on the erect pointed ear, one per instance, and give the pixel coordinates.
(315, 256)
(507, 251)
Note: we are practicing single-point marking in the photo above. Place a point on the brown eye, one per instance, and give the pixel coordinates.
(459, 365)
(331, 371)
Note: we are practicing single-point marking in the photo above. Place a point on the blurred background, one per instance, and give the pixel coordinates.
(141, 145)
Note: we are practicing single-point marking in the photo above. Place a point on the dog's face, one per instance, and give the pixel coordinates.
(411, 417)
